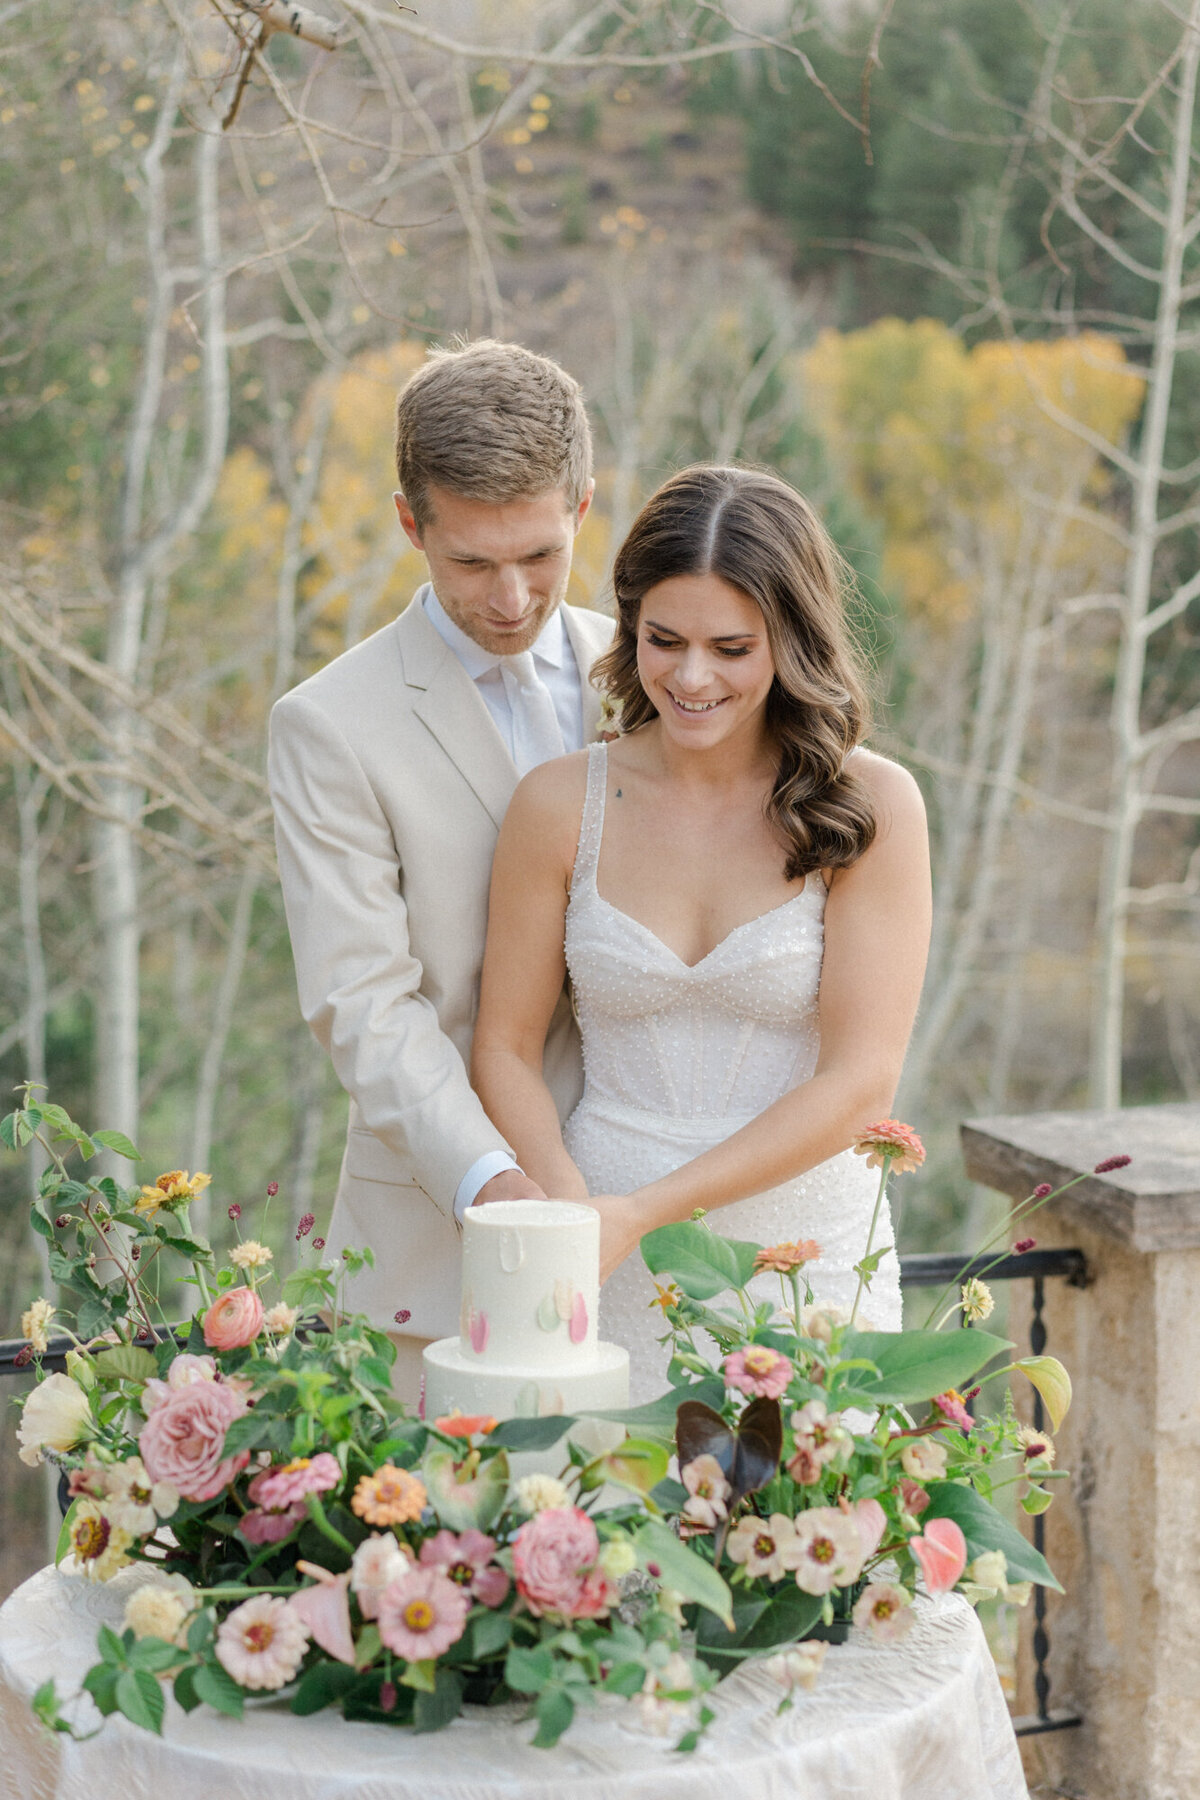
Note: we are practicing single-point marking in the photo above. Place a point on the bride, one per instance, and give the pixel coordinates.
(740, 895)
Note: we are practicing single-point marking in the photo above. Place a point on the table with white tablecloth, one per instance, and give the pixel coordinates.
(921, 1720)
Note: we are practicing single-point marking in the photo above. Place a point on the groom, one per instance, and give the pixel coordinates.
(390, 772)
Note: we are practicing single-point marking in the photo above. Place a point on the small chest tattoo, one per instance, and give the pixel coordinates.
(618, 793)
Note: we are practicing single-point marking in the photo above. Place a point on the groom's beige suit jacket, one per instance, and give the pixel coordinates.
(389, 781)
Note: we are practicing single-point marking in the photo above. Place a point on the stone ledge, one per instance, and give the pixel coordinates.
(1152, 1205)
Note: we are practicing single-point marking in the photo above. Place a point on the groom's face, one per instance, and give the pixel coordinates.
(499, 570)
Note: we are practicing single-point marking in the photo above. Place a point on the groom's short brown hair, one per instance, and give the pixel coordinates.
(492, 422)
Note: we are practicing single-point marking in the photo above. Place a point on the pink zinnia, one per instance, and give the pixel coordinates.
(467, 1560)
(422, 1613)
(277, 1488)
(758, 1370)
(942, 1553)
(890, 1142)
(262, 1642)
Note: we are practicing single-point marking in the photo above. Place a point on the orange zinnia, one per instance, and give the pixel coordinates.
(390, 1496)
(786, 1257)
(890, 1142)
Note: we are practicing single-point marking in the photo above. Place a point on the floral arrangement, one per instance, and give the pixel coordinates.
(305, 1533)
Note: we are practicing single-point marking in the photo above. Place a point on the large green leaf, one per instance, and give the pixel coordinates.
(681, 1569)
(655, 1419)
(759, 1624)
(986, 1529)
(140, 1698)
(126, 1362)
(531, 1434)
(702, 1263)
(913, 1365)
(116, 1140)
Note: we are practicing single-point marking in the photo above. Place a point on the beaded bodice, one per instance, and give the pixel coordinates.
(720, 1039)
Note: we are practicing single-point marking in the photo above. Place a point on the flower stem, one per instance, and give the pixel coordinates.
(862, 1280)
(1031, 1204)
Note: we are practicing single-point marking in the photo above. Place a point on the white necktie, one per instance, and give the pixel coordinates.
(537, 735)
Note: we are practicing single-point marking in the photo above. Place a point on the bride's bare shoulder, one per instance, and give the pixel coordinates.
(893, 791)
(549, 800)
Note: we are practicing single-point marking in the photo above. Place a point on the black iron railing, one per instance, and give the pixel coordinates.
(939, 1270)
(936, 1270)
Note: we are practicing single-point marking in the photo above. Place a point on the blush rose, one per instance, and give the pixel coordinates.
(554, 1561)
(183, 1440)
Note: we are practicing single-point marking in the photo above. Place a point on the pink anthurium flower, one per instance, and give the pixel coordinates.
(871, 1520)
(942, 1553)
(325, 1610)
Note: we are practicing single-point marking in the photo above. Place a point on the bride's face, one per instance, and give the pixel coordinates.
(704, 659)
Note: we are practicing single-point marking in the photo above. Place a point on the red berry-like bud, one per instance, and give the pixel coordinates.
(403, 1316)
(24, 1355)
(653, 1569)
(318, 1243)
(305, 1226)
(135, 1251)
(387, 1696)
(1022, 1245)
(62, 1220)
(272, 1189)
(1110, 1163)
(1041, 1190)
(235, 1211)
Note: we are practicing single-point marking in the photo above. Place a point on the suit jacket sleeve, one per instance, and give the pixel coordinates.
(358, 981)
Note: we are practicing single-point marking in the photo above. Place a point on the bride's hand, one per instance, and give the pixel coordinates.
(622, 1222)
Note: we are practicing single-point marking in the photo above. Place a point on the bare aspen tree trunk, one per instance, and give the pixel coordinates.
(115, 875)
(1130, 748)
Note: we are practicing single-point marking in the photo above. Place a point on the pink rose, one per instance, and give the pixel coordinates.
(183, 1440)
(234, 1320)
(942, 1554)
(554, 1558)
(183, 1370)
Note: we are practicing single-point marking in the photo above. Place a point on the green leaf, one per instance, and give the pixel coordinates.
(8, 1130)
(321, 1686)
(625, 1678)
(116, 1140)
(63, 1542)
(1036, 1501)
(656, 1418)
(531, 1434)
(434, 1711)
(110, 1646)
(45, 1708)
(637, 1464)
(699, 1261)
(155, 1654)
(256, 1430)
(1052, 1383)
(373, 1372)
(555, 1709)
(490, 1632)
(682, 1569)
(913, 1365)
(201, 1632)
(420, 1675)
(869, 1265)
(125, 1362)
(760, 1623)
(140, 1698)
(528, 1671)
(986, 1529)
(217, 1688)
(368, 1647)
(101, 1683)
(185, 1689)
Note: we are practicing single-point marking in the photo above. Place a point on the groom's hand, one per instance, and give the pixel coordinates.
(510, 1184)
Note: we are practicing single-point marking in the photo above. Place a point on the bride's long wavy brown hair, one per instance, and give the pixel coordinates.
(764, 539)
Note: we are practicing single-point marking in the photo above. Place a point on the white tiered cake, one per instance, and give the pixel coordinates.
(530, 1297)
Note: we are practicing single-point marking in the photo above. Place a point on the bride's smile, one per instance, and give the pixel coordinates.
(703, 658)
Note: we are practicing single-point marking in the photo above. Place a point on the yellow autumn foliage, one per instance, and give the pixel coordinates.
(951, 447)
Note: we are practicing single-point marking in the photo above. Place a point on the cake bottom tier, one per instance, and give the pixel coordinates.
(456, 1381)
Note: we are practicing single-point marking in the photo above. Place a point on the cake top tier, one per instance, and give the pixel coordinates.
(531, 1283)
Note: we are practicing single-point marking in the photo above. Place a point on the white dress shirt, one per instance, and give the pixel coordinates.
(555, 662)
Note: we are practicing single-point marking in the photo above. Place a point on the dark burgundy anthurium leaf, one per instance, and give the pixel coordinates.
(759, 1447)
(748, 1454)
(699, 1431)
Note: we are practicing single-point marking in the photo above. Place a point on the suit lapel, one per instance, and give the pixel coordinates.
(445, 699)
(586, 653)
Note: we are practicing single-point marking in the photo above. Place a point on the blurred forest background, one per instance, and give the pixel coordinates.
(933, 260)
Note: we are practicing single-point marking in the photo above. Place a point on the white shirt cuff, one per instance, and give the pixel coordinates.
(481, 1170)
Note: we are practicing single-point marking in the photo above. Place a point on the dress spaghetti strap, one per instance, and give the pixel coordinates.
(591, 824)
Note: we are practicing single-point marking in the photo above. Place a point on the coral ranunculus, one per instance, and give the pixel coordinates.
(234, 1320)
(183, 1440)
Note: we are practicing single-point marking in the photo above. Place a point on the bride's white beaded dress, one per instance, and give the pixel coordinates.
(677, 1057)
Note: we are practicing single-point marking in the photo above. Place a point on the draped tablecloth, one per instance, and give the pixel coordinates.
(921, 1720)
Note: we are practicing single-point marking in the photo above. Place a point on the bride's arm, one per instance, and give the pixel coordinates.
(877, 920)
(524, 968)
